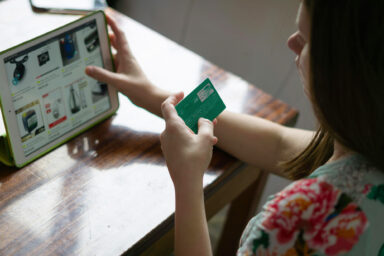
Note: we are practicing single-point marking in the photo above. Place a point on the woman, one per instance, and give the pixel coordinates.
(337, 204)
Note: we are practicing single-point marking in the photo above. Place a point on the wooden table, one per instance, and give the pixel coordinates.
(108, 192)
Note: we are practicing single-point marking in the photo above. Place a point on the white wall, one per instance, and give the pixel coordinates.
(246, 37)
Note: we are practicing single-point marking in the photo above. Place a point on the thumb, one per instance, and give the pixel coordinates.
(206, 130)
(102, 75)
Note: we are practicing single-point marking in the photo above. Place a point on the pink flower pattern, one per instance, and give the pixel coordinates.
(327, 220)
(321, 215)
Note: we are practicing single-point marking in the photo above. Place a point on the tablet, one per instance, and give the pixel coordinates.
(46, 97)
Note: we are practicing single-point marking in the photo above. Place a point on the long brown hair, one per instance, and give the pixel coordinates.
(346, 81)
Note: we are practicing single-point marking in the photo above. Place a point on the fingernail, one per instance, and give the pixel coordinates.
(205, 120)
(89, 70)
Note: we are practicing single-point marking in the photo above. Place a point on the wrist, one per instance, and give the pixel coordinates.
(189, 189)
(152, 98)
(159, 96)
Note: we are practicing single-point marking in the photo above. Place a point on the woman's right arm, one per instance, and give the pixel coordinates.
(253, 140)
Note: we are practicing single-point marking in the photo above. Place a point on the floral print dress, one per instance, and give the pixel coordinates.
(337, 210)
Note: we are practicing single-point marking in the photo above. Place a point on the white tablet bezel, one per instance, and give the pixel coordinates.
(8, 111)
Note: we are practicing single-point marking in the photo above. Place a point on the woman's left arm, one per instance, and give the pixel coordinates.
(191, 229)
(188, 156)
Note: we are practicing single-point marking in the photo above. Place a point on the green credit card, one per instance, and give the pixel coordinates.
(203, 101)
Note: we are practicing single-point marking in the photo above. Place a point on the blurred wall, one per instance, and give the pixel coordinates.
(245, 37)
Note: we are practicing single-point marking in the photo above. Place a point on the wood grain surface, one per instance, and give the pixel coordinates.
(107, 191)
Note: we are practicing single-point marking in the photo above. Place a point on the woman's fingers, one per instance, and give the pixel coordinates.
(116, 61)
(121, 41)
(170, 114)
(206, 130)
(168, 106)
(112, 39)
(103, 75)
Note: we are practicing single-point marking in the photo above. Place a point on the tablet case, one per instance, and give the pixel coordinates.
(6, 153)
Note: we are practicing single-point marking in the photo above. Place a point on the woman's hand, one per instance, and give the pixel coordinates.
(187, 154)
(129, 77)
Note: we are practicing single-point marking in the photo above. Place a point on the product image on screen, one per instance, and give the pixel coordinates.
(19, 70)
(50, 92)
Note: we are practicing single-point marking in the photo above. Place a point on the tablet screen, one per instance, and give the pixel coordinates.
(50, 92)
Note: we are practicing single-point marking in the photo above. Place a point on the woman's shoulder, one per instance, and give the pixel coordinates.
(353, 176)
(322, 213)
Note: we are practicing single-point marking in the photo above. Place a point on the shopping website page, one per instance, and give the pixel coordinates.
(49, 89)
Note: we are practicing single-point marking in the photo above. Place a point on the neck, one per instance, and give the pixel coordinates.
(339, 151)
